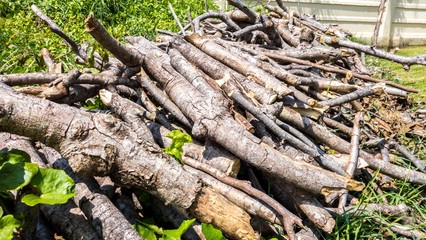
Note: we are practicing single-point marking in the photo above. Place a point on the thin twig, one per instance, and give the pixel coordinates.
(182, 30)
(358, 94)
(417, 162)
(382, 8)
(353, 159)
(56, 29)
(190, 21)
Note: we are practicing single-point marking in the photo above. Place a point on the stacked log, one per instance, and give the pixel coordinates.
(273, 95)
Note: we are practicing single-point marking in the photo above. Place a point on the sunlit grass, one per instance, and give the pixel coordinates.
(415, 77)
(360, 224)
(23, 34)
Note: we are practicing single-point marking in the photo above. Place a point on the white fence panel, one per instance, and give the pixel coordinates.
(404, 21)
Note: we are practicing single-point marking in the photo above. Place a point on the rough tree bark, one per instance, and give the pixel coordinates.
(100, 145)
(228, 133)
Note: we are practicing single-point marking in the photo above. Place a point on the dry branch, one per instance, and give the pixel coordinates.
(353, 156)
(333, 141)
(56, 29)
(227, 132)
(288, 219)
(99, 151)
(336, 70)
(381, 11)
(406, 61)
(239, 64)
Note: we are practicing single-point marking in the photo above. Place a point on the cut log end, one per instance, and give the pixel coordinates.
(214, 208)
(106, 96)
(90, 23)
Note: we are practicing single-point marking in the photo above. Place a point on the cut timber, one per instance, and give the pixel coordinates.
(239, 64)
(216, 209)
(335, 142)
(100, 145)
(217, 123)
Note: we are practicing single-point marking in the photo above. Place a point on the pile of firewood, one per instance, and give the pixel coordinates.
(275, 98)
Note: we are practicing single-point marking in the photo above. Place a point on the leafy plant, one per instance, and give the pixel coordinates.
(23, 34)
(16, 171)
(211, 233)
(55, 187)
(8, 223)
(178, 140)
(94, 103)
(148, 230)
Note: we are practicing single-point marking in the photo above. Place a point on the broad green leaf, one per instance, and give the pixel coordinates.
(55, 187)
(16, 175)
(177, 233)
(1, 212)
(178, 140)
(13, 156)
(144, 232)
(211, 233)
(7, 224)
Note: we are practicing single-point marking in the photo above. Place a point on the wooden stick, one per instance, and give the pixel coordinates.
(176, 18)
(288, 218)
(191, 23)
(417, 162)
(382, 8)
(358, 94)
(353, 160)
(405, 61)
(243, 7)
(56, 29)
(281, 58)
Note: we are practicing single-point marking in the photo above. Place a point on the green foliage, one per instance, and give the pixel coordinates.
(211, 233)
(145, 232)
(16, 169)
(178, 140)
(13, 156)
(7, 224)
(148, 230)
(23, 34)
(17, 172)
(360, 224)
(55, 187)
(94, 103)
(175, 234)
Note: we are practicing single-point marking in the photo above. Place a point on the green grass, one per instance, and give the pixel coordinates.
(360, 224)
(415, 77)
